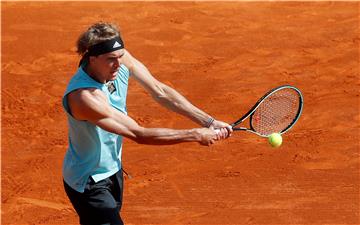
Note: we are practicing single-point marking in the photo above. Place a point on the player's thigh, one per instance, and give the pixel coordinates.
(97, 204)
(100, 204)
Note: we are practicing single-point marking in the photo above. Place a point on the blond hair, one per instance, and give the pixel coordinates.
(95, 34)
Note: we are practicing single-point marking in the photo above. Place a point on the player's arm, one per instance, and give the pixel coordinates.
(92, 105)
(164, 94)
(170, 98)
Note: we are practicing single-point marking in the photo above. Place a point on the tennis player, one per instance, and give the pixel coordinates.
(95, 104)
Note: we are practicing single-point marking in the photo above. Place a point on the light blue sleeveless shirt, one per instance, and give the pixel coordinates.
(93, 151)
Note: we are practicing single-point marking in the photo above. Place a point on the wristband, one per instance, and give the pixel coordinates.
(209, 122)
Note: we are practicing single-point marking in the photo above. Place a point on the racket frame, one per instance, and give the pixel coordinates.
(258, 103)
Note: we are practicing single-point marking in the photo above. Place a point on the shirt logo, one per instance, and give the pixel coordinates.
(116, 45)
(111, 87)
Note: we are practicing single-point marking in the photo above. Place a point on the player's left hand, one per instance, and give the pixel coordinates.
(225, 129)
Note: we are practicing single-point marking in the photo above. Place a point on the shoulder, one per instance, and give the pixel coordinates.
(87, 102)
(84, 95)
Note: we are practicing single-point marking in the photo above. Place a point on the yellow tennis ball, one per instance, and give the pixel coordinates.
(275, 140)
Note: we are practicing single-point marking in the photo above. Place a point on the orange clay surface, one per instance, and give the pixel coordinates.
(222, 57)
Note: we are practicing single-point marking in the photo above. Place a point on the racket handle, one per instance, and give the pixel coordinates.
(240, 128)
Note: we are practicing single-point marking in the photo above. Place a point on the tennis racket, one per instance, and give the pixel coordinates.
(276, 112)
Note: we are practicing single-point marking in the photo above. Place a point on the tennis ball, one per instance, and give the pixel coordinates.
(275, 140)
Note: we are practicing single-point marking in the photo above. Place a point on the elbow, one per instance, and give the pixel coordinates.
(141, 141)
(159, 93)
(139, 135)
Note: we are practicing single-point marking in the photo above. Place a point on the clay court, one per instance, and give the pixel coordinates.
(222, 56)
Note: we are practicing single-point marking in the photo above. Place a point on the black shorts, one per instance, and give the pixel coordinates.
(100, 203)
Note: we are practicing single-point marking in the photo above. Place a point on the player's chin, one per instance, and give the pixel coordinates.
(113, 76)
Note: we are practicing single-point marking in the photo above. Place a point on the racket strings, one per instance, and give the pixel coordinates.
(276, 112)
